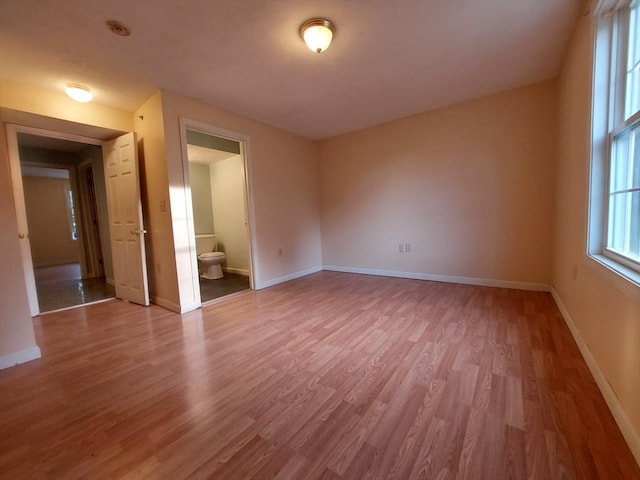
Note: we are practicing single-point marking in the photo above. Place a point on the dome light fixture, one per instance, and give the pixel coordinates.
(317, 33)
(79, 93)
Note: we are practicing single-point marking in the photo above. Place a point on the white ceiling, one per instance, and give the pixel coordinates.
(389, 59)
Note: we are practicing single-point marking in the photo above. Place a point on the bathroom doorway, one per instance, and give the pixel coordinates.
(217, 180)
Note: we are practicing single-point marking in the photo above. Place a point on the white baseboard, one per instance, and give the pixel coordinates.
(285, 278)
(174, 307)
(484, 282)
(628, 432)
(238, 271)
(189, 307)
(17, 358)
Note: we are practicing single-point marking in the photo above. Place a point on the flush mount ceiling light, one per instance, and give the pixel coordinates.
(317, 33)
(79, 93)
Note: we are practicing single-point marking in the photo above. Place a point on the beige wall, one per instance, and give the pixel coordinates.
(606, 317)
(23, 98)
(161, 259)
(200, 183)
(227, 188)
(283, 170)
(49, 223)
(470, 187)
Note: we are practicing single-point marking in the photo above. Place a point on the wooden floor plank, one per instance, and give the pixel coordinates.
(332, 375)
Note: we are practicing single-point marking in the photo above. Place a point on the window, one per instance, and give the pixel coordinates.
(71, 213)
(614, 222)
(623, 235)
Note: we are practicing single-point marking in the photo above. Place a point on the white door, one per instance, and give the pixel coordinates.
(21, 214)
(125, 219)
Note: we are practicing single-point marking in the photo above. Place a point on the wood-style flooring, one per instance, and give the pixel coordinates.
(332, 376)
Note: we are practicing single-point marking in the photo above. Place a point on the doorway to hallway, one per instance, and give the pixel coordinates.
(62, 286)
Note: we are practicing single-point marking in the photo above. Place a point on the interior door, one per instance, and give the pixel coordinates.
(21, 214)
(125, 219)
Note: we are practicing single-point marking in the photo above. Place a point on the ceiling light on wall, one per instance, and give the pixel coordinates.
(79, 93)
(317, 33)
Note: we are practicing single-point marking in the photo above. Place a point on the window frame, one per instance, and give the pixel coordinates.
(72, 220)
(607, 123)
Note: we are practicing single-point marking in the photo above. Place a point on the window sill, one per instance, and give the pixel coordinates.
(624, 278)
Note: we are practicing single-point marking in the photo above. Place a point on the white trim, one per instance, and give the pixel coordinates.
(285, 278)
(174, 307)
(238, 271)
(7, 361)
(604, 105)
(608, 7)
(620, 277)
(189, 307)
(628, 432)
(483, 282)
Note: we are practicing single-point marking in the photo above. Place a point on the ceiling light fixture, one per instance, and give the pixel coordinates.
(317, 33)
(79, 93)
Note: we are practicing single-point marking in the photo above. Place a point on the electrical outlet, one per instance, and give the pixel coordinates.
(407, 247)
(401, 247)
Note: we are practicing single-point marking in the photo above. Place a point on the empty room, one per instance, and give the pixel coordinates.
(320, 239)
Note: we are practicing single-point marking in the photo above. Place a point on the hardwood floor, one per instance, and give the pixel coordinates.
(332, 376)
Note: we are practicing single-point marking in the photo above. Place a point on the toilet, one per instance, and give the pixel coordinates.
(209, 261)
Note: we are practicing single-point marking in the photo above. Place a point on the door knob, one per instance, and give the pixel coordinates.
(137, 232)
(21, 235)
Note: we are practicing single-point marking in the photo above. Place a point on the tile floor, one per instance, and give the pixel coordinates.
(62, 286)
(230, 283)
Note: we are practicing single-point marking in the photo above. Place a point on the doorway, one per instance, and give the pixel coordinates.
(217, 181)
(66, 212)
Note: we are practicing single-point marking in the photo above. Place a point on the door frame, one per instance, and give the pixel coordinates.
(249, 210)
(12, 131)
(91, 228)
